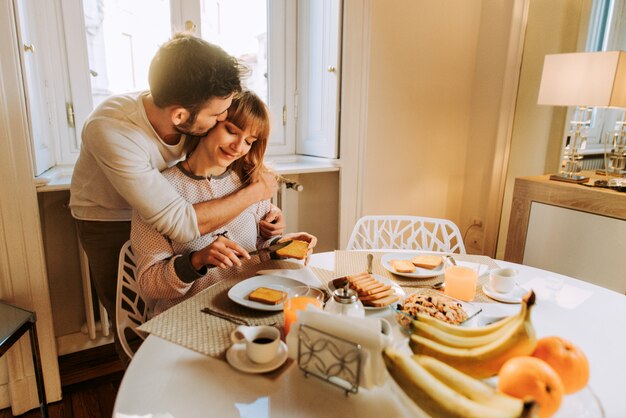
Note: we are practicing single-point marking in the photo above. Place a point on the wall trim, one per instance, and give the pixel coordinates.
(505, 125)
(354, 102)
(23, 278)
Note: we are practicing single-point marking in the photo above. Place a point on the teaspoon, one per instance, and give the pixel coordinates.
(437, 286)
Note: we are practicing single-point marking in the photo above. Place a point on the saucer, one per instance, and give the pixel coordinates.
(514, 296)
(237, 357)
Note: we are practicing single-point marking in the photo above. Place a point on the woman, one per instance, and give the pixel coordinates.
(228, 158)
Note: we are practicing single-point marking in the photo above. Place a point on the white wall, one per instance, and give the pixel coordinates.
(421, 71)
(435, 82)
(436, 103)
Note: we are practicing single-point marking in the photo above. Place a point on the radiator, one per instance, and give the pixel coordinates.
(593, 163)
(91, 327)
(284, 184)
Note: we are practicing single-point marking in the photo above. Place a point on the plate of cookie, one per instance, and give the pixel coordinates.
(413, 265)
(436, 305)
(264, 292)
(375, 291)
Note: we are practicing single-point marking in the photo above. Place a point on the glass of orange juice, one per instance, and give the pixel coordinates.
(297, 299)
(460, 282)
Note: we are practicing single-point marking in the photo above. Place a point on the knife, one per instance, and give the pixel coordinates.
(271, 248)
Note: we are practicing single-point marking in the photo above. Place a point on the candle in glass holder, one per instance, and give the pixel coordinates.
(298, 299)
(461, 282)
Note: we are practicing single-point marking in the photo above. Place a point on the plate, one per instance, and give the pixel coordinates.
(395, 286)
(404, 319)
(514, 296)
(236, 356)
(239, 292)
(583, 403)
(417, 274)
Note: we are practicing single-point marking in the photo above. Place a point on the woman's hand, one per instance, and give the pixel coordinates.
(302, 236)
(273, 224)
(222, 253)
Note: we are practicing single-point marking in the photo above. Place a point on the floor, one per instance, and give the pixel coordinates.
(90, 380)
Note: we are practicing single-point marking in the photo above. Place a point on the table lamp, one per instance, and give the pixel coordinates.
(585, 80)
(615, 150)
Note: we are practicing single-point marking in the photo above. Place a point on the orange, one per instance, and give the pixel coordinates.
(569, 361)
(529, 377)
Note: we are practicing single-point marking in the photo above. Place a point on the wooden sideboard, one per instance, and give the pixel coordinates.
(538, 196)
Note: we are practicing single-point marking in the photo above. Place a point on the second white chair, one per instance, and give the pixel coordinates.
(407, 233)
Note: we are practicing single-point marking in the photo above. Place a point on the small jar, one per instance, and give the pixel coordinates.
(345, 301)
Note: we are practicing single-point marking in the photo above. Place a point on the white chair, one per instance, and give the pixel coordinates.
(130, 309)
(407, 233)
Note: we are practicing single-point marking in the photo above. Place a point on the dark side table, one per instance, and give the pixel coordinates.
(14, 322)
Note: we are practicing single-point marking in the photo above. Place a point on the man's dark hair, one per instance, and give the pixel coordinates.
(187, 71)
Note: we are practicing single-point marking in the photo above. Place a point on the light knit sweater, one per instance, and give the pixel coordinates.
(119, 170)
(164, 272)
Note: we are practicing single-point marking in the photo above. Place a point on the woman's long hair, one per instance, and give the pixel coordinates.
(248, 111)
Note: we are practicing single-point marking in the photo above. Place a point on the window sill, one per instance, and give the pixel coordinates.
(59, 177)
(55, 179)
(301, 164)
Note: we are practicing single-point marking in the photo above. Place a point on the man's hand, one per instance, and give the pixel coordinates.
(302, 236)
(273, 224)
(222, 253)
(266, 186)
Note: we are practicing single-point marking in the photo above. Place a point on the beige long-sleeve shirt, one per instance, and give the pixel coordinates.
(119, 169)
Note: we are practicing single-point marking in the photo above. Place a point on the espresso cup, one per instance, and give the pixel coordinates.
(262, 342)
(503, 280)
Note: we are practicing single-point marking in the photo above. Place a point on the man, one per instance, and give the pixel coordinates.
(128, 139)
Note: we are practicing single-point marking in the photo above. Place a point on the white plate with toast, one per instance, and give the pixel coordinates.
(387, 261)
(239, 292)
(388, 293)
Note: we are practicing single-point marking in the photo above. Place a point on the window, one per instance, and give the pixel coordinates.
(319, 61)
(91, 49)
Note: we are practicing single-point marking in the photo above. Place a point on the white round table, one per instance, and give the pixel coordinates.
(165, 378)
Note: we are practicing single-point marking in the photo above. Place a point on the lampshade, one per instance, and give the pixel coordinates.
(590, 79)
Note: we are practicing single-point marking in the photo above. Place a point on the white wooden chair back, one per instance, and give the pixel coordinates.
(407, 233)
(130, 309)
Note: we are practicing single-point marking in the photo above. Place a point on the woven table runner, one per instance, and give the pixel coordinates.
(186, 325)
(352, 262)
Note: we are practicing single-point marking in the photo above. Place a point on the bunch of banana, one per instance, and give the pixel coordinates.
(443, 391)
(480, 351)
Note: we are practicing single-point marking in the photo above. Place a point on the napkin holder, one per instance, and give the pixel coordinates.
(330, 358)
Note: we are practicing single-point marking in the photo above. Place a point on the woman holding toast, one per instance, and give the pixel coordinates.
(228, 158)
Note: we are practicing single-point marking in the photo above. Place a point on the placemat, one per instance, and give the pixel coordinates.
(352, 262)
(186, 325)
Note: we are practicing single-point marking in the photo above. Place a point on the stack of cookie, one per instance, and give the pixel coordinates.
(371, 291)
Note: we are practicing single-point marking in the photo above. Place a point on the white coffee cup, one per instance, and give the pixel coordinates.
(503, 280)
(262, 342)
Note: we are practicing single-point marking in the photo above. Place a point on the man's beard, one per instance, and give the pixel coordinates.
(185, 130)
